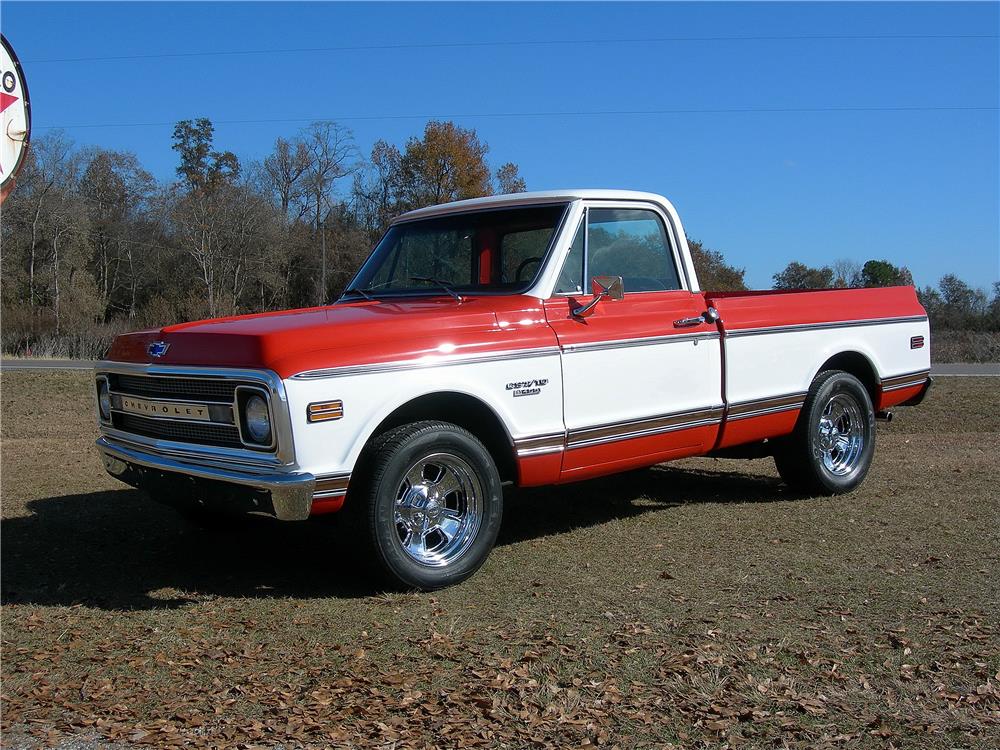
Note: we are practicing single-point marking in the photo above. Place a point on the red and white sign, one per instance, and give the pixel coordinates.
(15, 115)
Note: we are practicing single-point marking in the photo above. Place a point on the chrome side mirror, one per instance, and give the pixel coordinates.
(609, 287)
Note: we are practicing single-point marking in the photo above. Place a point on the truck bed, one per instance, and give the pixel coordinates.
(774, 343)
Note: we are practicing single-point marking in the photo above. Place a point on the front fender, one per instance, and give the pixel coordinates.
(369, 398)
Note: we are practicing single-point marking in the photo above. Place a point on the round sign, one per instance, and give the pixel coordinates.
(15, 114)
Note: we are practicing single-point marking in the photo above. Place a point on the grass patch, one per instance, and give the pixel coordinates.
(698, 603)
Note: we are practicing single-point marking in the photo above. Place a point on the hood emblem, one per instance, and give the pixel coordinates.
(157, 348)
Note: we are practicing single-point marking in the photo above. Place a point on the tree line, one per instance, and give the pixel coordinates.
(952, 305)
(93, 245)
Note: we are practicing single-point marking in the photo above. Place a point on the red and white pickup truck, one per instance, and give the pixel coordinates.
(530, 339)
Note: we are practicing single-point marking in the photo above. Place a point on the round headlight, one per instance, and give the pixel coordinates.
(104, 400)
(258, 421)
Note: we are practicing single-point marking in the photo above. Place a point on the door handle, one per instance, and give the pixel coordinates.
(709, 316)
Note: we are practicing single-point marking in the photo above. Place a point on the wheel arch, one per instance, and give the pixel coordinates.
(858, 365)
(465, 410)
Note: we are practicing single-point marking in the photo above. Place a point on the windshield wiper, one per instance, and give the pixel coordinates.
(371, 288)
(355, 290)
(443, 284)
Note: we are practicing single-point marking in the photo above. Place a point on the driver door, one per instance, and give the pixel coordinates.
(641, 383)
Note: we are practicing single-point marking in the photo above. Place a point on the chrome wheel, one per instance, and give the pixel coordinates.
(841, 435)
(438, 509)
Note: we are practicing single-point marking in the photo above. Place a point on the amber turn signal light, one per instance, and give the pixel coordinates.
(324, 411)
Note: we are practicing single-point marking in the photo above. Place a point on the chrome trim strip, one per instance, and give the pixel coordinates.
(904, 384)
(475, 359)
(583, 437)
(764, 412)
(613, 432)
(205, 455)
(291, 493)
(527, 453)
(904, 380)
(331, 485)
(901, 386)
(538, 445)
(238, 417)
(762, 406)
(428, 361)
(647, 341)
(739, 332)
(268, 380)
(97, 400)
(917, 375)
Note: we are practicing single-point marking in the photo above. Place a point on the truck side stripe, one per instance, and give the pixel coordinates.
(445, 360)
(737, 332)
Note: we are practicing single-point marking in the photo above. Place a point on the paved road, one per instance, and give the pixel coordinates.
(45, 364)
(991, 369)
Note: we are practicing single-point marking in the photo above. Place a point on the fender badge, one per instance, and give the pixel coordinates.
(157, 348)
(527, 387)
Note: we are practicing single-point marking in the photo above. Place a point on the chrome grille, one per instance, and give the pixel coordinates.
(195, 389)
(218, 394)
(186, 432)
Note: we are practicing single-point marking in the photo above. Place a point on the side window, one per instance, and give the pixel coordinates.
(633, 244)
(571, 278)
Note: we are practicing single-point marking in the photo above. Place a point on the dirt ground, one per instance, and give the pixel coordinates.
(695, 604)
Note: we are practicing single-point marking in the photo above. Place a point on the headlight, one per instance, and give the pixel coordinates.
(104, 399)
(257, 420)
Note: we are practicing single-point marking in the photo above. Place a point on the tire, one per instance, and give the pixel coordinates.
(833, 444)
(428, 506)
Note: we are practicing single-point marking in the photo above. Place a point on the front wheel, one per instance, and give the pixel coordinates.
(429, 505)
(831, 449)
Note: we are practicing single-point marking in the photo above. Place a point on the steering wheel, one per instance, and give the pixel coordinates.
(524, 264)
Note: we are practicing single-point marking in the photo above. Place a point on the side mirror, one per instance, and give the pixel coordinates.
(609, 287)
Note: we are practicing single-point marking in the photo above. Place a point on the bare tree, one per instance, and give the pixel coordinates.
(376, 193)
(846, 273)
(332, 155)
(116, 189)
(51, 169)
(286, 169)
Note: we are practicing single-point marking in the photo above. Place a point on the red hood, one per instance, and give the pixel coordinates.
(345, 334)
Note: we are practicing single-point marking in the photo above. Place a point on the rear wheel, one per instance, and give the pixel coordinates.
(831, 449)
(429, 505)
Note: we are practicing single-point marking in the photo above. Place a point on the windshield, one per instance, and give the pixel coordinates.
(484, 251)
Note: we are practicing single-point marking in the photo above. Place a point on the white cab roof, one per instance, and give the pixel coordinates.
(541, 196)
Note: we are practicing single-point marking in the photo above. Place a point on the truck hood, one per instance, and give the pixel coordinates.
(355, 333)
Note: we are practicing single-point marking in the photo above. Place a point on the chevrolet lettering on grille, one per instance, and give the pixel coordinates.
(168, 409)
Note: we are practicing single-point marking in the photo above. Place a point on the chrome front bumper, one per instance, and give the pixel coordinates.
(291, 493)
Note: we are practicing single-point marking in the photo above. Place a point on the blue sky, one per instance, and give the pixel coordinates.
(920, 188)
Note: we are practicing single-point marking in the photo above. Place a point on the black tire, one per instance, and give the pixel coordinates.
(384, 507)
(818, 461)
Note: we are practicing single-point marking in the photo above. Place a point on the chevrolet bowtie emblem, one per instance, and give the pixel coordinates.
(157, 348)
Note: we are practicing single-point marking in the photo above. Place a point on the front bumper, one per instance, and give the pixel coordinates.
(291, 494)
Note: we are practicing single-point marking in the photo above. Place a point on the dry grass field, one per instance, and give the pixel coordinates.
(696, 604)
